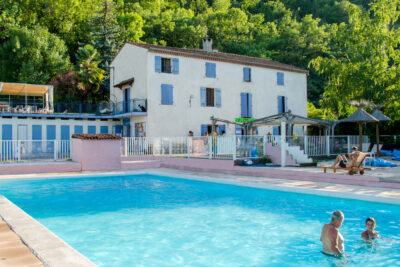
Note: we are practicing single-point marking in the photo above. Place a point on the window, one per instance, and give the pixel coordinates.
(210, 97)
(211, 70)
(166, 65)
(280, 78)
(247, 74)
(282, 104)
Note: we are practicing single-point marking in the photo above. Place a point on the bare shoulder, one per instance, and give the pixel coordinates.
(364, 234)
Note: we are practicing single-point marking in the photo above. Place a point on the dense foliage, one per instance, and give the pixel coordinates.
(349, 47)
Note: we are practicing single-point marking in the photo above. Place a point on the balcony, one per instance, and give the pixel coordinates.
(37, 107)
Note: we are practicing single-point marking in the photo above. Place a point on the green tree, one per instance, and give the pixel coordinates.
(89, 74)
(31, 55)
(364, 60)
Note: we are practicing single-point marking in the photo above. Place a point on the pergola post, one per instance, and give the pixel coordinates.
(283, 144)
(360, 128)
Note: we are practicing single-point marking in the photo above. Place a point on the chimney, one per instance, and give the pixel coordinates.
(207, 45)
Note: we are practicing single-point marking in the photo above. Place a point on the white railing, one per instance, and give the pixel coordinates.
(232, 147)
(32, 150)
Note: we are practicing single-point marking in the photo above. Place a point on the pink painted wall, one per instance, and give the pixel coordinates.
(25, 168)
(96, 155)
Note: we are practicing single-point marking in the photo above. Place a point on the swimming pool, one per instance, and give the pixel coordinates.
(149, 220)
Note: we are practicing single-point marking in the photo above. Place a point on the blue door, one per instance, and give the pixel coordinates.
(6, 149)
(51, 136)
(37, 135)
(65, 136)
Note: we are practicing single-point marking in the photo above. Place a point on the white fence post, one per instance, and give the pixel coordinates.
(348, 144)
(19, 150)
(306, 145)
(234, 148)
(188, 145)
(55, 149)
(170, 147)
(283, 144)
(125, 146)
(210, 147)
(328, 148)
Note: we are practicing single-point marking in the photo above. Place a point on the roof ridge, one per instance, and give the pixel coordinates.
(224, 56)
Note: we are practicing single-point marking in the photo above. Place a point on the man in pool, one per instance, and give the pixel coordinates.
(332, 240)
(370, 233)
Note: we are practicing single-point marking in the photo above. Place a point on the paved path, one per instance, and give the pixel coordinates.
(13, 253)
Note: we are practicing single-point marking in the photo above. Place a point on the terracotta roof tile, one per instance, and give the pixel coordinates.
(219, 56)
(97, 136)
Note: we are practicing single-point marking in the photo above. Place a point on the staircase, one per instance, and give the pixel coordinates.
(294, 155)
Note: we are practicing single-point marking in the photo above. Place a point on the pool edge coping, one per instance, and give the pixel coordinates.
(43, 243)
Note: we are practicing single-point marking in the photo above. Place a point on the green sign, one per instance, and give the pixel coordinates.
(241, 120)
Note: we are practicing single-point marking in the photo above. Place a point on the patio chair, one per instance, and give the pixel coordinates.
(354, 166)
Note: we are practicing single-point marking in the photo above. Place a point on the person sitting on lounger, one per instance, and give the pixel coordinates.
(343, 161)
(370, 233)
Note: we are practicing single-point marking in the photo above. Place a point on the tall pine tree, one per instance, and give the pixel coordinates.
(106, 37)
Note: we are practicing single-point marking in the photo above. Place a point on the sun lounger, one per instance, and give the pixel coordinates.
(354, 166)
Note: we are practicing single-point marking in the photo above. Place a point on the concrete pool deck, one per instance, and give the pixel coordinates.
(52, 251)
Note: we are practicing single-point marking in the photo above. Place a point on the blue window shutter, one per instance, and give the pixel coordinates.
(280, 108)
(7, 132)
(250, 107)
(221, 128)
(157, 62)
(218, 93)
(204, 128)
(175, 65)
(286, 104)
(238, 130)
(208, 69)
(164, 94)
(275, 130)
(211, 70)
(243, 98)
(51, 132)
(104, 129)
(170, 94)
(203, 96)
(65, 132)
(36, 132)
(280, 78)
(91, 129)
(246, 74)
(78, 129)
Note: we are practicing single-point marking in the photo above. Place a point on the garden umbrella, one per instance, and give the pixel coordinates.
(360, 116)
(381, 117)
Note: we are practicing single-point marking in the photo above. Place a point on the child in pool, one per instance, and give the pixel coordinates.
(370, 233)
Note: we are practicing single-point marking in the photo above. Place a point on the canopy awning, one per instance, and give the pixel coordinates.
(288, 117)
(23, 89)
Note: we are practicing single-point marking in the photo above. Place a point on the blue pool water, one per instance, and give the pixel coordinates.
(148, 220)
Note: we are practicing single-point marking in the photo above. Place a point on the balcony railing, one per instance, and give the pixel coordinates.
(19, 106)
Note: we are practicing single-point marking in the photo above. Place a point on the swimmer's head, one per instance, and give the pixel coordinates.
(370, 223)
(337, 217)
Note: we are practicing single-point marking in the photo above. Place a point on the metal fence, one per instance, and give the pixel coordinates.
(32, 150)
(236, 147)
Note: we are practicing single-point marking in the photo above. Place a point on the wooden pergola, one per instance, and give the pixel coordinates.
(25, 89)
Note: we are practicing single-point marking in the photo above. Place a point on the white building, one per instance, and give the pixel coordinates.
(185, 87)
